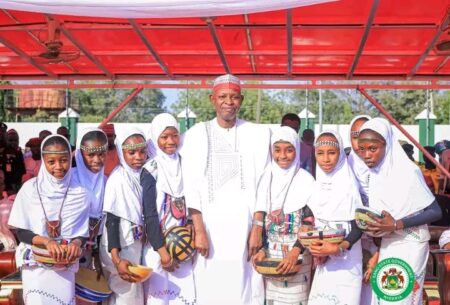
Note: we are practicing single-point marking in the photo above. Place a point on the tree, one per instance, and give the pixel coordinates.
(442, 107)
(96, 104)
(339, 106)
(6, 97)
(403, 105)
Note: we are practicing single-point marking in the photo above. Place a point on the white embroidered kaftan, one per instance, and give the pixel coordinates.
(221, 168)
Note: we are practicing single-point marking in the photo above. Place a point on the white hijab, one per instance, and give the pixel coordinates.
(396, 185)
(123, 192)
(169, 178)
(335, 195)
(93, 182)
(27, 211)
(358, 166)
(293, 183)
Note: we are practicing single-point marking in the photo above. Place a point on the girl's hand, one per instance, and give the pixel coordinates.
(124, 273)
(255, 241)
(385, 224)
(167, 263)
(323, 248)
(201, 243)
(373, 261)
(261, 255)
(73, 251)
(55, 250)
(288, 263)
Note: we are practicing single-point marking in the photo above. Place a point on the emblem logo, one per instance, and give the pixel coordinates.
(392, 279)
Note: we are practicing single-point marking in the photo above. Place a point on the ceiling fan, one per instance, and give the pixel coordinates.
(55, 53)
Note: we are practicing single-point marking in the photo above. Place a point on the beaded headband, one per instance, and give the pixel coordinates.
(58, 152)
(94, 149)
(354, 134)
(134, 146)
(327, 143)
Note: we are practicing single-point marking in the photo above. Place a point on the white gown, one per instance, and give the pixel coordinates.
(222, 185)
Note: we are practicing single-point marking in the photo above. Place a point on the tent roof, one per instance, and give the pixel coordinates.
(342, 40)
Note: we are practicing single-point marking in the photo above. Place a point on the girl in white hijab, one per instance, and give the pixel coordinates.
(358, 166)
(90, 159)
(164, 207)
(361, 171)
(282, 194)
(333, 203)
(121, 244)
(398, 190)
(51, 210)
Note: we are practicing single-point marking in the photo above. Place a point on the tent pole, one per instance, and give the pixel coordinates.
(397, 124)
(122, 105)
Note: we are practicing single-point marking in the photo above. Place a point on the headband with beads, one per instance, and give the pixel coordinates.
(94, 149)
(56, 152)
(327, 143)
(134, 145)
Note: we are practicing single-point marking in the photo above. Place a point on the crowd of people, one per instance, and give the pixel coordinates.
(243, 190)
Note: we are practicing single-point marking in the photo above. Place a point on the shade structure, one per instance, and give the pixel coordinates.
(339, 40)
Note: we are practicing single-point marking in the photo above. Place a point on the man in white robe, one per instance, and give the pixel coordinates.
(222, 161)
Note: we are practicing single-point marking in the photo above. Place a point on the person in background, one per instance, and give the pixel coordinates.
(33, 162)
(306, 145)
(409, 150)
(11, 162)
(44, 133)
(443, 150)
(112, 159)
(63, 131)
(12, 139)
(307, 153)
(292, 120)
(430, 172)
(7, 239)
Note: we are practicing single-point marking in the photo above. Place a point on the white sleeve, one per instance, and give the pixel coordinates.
(194, 153)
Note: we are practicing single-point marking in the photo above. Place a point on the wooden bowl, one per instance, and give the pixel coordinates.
(268, 269)
(330, 235)
(364, 216)
(142, 272)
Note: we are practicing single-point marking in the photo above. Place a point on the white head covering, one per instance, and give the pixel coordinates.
(169, 168)
(396, 185)
(123, 192)
(358, 166)
(93, 182)
(336, 195)
(293, 183)
(27, 212)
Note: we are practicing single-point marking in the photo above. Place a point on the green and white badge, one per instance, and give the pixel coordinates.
(392, 279)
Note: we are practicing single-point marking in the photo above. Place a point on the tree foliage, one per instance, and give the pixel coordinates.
(96, 104)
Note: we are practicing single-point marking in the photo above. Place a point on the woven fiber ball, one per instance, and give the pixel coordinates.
(180, 243)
